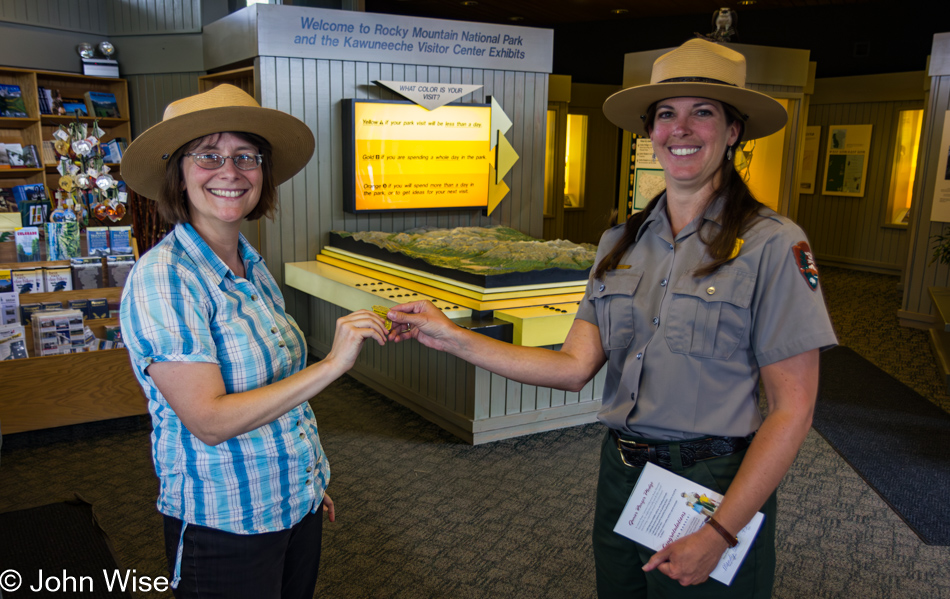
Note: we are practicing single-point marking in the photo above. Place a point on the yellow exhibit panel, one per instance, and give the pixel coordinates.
(575, 162)
(408, 158)
(761, 161)
(904, 168)
(537, 326)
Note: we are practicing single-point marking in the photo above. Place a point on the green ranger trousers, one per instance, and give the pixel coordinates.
(619, 560)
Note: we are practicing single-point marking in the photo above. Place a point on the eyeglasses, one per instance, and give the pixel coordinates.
(245, 162)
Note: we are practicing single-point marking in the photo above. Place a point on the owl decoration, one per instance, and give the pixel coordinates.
(725, 20)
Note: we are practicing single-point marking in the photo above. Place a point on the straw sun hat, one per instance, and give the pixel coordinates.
(224, 108)
(699, 69)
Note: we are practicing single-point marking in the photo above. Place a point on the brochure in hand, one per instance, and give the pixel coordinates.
(665, 507)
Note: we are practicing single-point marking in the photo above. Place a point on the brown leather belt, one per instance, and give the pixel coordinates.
(637, 455)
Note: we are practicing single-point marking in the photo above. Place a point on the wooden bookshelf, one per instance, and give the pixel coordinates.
(38, 127)
(242, 78)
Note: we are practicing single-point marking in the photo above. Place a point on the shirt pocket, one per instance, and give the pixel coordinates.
(613, 304)
(709, 317)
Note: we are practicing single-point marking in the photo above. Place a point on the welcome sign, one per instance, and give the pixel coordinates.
(302, 32)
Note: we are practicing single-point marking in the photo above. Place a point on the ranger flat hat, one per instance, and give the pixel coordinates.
(699, 69)
(224, 108)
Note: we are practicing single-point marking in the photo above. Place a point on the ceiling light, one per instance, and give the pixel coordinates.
(516, 18)
(619, 11)
(468, 3)
(747, 2)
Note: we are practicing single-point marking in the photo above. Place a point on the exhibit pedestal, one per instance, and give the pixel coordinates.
(469, 402)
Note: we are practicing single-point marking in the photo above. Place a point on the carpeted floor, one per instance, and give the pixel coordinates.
(893, 437)
(423, 515)
(58, 550)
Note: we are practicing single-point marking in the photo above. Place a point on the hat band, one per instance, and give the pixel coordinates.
(697, 80)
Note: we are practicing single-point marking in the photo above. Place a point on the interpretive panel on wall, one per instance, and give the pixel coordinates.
(352, 35)
(940, 211)
(648, 175)
(806, 183)
(400, 156)
(846, 160)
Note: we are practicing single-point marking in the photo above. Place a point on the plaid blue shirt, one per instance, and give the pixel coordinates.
(181, 303)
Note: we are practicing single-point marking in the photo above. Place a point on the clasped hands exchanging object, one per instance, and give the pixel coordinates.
(419, 320)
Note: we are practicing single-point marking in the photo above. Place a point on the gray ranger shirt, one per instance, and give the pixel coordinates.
(683, 352)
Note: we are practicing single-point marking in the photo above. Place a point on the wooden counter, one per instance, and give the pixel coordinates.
(49, 391)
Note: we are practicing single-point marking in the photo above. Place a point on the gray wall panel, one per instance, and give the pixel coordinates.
(106, 17)
(143, 17)
(150, 94)
(921, 273)
(73, 15)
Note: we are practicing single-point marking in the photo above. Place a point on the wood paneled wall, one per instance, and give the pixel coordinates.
(133, 17)
(72, 15)
(853, 232)
(150, 94)
(110, 17)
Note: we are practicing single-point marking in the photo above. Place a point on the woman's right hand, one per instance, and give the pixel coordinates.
(351, 331)
(423, 322)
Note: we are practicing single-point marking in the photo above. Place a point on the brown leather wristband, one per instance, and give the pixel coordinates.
(731, 540)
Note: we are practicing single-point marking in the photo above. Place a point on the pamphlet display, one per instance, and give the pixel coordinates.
(665, 507)
(62, 240)
(9, 302)
(11, 155)
(97, 241)
(12, 104)
(12, 342)
(102, 104)
(27, 244)
(58, 332)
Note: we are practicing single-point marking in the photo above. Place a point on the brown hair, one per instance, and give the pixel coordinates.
(173, 203)
(739, 209)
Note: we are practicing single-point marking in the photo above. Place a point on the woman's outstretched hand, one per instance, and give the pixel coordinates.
(423, 322)
(351, 331)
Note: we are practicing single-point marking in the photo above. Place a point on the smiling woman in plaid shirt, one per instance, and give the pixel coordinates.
(242, 473)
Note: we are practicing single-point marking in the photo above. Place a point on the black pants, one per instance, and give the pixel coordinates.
(218, 564)
(619, 560)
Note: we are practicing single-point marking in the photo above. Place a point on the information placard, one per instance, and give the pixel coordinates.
(846, 160)
(806, 181)
(649, 180)
(940, 212)
(400, 156)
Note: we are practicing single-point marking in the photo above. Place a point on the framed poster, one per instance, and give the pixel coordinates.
(846, 160)
(940, 212)
(648, 179)
(806, 182)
